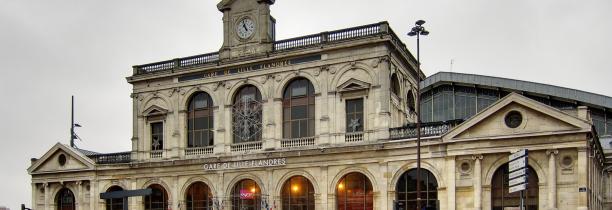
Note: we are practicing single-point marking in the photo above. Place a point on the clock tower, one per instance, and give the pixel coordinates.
(248, 28)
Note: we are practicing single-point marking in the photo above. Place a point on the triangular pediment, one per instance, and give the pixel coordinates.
(352, 85)
(61, 158)
(155, 110)
(535, 119)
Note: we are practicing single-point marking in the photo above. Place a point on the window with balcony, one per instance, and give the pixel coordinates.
(298, 109)
(354, 115)
(200, 121)
(247, 115)
(157, 136)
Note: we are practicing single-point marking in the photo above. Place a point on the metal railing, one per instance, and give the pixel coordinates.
(365, 31)
(195, 151)
(353, 137)
(247, 146)
(177, 63)
(427, 129)
(112, 158)
(297, 142)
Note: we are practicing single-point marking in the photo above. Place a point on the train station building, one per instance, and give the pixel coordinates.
(327, 121)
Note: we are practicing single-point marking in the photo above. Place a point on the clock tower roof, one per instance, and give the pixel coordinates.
(226, 4)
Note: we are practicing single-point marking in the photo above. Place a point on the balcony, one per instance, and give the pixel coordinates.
(427, 129)
(198, 151)
(297, 142)
(381, 30)
(353, 137)
(111, 158)
(247, 146)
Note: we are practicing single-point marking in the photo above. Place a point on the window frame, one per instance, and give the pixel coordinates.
(288, 106)
(259, 98)
(363, 114)
(209, 114)
(152, 135)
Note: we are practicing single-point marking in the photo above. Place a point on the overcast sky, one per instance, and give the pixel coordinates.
(52, 49)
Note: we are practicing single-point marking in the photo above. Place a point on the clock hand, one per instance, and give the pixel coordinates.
(244, 26)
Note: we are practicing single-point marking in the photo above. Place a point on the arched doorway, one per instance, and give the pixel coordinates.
(298, 194)
(246, 195)
(500, 196)
(354, 192)
(65, 200)
(116, 203)
(158, 200)
(199, 197)
(405, 190)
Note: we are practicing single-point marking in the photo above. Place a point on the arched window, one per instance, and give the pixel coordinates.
(199, 197)
(410, 102)
(200, 121)
(395, 87)
(116, 203)
(298, 109)
(406, 189)
(247, 115)
(158, 200)
(500, 196)
(298, 194)
(246, 195)
(65, 199)
(354, 191)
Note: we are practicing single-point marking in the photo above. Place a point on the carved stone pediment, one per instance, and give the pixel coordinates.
(155, 111)
(353, 85)
(516, 116)
(62, 158)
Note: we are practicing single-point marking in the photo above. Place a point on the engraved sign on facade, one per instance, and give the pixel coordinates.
(245, 164)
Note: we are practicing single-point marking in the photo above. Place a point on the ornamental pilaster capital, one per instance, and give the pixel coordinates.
(477, 157)
(552, 152)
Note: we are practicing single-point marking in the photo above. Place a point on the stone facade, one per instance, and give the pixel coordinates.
(562, 151)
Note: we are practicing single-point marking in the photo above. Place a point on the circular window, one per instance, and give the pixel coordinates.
(61, 159)
(567, 161)
(514, 119)
(465, 167)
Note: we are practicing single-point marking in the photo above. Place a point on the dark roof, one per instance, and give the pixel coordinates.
(533, 87)
(86, 152)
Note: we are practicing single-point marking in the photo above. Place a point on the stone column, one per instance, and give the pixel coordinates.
(552, 179)
(383, 175)
(46, 187)
(324, 186)
(92, 192)
(80, 196)
(581, 168)
(477, 182)
(34, 203)
(450, 187)
(175, 193)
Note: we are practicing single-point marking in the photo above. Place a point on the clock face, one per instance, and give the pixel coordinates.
(245, 28)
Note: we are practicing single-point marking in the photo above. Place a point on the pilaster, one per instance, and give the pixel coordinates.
(552, 179)
(451, 185)
(46, 191)
(477, 182)
(581, 169)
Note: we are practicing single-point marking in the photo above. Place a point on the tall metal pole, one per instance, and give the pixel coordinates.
(72, 123)
(418, 123)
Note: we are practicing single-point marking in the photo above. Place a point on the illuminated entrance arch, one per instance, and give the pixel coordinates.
(354, 191)
(298, 193)
(246, 195)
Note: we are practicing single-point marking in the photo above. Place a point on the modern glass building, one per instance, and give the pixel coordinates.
(449, 96)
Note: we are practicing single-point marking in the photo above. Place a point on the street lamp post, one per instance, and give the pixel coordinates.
(417, 31)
